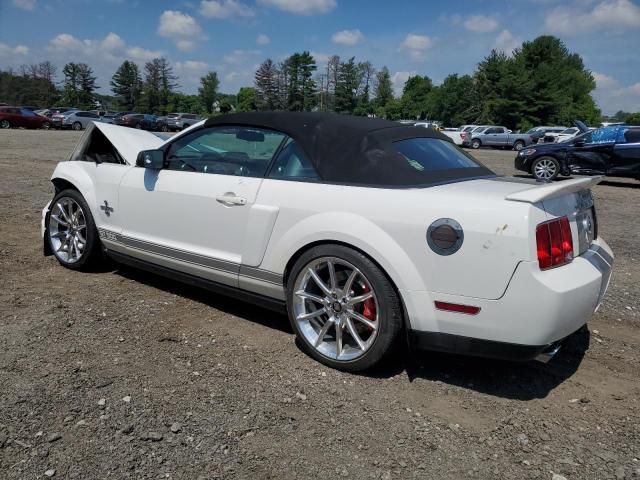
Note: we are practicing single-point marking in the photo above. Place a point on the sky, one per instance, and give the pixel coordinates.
(231, 37)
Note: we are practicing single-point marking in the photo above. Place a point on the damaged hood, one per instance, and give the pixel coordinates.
(129, 141)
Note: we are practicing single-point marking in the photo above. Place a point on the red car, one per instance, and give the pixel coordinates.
(21, 117)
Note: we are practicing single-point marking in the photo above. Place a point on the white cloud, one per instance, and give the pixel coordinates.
(614, 15)
(225, 9)
(181, 28)
(263, 39)
(481, 24)
(320, 58)
(141, 55)
(112, 42)
(301, 7)
(8, 51)
(347, 37)
(399, 79)
(191, 69)
(238, 57)
(416, 45)
(604, 81)
(612, 96)
(507, 42)
(416, 42)
(25, 4)
(111, 48)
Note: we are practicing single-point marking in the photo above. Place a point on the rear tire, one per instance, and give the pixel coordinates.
(360, 302)
(519, 145)
(5, 124)
(77, 126)
(71, 232)
(475, 144)
(545, 169)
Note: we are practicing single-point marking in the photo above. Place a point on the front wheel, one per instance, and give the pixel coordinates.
(545, 169)
(46, 125)
(71, 231)
(475, 144)
(77, 126)
(343, 308)
(5, 124)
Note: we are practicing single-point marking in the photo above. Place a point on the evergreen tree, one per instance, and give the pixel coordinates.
(208, 90)
(300, 84)
(346, 90)
(127, 84)
(266, 83)
(79, 85)
(159, 83)
(383, 88)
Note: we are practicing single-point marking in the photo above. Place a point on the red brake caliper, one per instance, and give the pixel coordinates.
(369, 305)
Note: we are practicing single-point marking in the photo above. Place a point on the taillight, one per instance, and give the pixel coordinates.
(462, 135)
(554, 243)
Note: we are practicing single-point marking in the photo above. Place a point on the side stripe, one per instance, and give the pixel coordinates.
(193, 258)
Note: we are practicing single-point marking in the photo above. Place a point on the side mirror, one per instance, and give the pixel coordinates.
(152, 159)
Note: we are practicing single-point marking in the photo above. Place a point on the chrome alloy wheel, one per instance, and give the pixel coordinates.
(336, 308)
(67, 230)
(545, 169)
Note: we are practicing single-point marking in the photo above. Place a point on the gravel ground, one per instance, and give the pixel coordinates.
(121, 374)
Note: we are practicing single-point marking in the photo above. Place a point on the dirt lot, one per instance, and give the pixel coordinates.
(120, 374)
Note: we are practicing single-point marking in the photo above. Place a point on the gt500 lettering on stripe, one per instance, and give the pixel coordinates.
(107, 235)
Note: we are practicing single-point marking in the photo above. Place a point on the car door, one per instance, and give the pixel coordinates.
(591, 153)
(29, 119)
(490, 136)
(193, 214)
(625, 160)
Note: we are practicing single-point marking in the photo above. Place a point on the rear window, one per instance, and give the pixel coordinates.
(189, 116)
(433, 154)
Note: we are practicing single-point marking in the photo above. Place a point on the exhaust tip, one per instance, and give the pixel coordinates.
(549, 353)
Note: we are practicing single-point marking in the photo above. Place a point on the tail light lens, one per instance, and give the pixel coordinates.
(554, 243)
(462, 135)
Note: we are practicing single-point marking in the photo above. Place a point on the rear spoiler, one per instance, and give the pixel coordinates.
(546, 191)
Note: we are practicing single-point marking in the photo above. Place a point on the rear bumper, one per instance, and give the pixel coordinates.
(538, 308)
(448, 343)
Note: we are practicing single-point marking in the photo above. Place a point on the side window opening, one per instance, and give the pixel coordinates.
(238, 151)
(293, 164)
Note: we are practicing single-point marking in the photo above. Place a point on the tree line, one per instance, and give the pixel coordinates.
(541, 82)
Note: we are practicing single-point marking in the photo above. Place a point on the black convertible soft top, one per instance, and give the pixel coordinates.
(353, 150)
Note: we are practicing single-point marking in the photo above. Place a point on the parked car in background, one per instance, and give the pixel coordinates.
(14, 117)
(288, 210)
(456, 135)
(79, 120)
(567, 134)
(612, 151)
(140, 121)
(498, 137)
(545, 133)
(180, 121)
(467, 128)
(58, 117)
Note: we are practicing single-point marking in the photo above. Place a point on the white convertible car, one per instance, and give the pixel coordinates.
(368, 233)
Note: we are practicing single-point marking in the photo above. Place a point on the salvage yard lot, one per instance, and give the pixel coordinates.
(121, 374)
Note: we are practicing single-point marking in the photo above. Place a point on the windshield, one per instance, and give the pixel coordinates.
(569, 131)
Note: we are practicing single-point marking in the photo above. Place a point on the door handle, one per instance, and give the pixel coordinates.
(230, 199)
